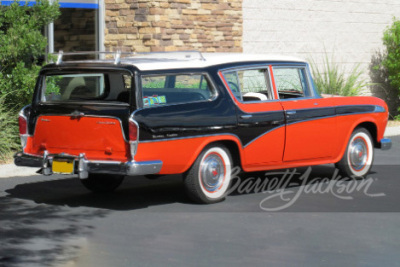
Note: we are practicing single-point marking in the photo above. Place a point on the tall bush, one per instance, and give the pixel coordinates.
(22, 49)
(331, 78)
(9, 141)
(391, 61)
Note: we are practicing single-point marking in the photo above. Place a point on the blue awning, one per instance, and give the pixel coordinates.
(90, 4)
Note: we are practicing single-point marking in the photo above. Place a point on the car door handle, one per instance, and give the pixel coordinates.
(246, 116)
(290, 112)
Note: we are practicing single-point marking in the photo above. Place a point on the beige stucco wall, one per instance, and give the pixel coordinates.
(352, 30)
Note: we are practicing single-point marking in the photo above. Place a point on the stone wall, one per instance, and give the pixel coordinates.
(75, 30)
(350, 31)
(173, 25)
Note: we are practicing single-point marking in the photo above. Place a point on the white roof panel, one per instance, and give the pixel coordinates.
(146, 63)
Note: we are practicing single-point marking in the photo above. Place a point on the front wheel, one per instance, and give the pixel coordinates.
(102, 183)
(208, 179)
(359, 155)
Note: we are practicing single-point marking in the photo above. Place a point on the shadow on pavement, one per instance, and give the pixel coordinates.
(41, 235)
(134, 193)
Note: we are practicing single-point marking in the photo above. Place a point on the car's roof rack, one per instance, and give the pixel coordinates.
(178, 55)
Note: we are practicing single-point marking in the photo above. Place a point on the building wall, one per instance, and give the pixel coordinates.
(350, 31)
(75, 30)
(161, 25)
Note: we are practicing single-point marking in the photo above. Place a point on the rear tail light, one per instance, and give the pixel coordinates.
(133, 136)
(133, 131)
(23, 130)
(23, 125)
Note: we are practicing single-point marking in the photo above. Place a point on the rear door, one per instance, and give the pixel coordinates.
(310, 120)
(260, 116)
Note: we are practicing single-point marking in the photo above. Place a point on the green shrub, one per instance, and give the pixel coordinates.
(9, 140)
(391, 61)
(22, 49)
(333, 79)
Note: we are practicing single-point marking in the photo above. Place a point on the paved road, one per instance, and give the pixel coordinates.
(54, 221)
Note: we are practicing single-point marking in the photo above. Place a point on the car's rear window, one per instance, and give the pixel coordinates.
(86, 87)
(173, 89)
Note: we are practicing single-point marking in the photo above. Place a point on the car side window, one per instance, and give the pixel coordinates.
(250, 84)
(173, 89)
(291, 82)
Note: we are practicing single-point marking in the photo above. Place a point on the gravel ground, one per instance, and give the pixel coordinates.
(10, 170)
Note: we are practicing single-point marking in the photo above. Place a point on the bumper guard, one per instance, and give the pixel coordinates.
(385, 144)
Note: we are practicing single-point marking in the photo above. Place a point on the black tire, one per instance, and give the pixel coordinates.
(359, 155)
(102, 183)
(207, 181)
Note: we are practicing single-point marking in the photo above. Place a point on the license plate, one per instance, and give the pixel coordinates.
(63, 166)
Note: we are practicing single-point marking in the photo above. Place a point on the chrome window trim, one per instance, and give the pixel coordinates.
(214, 91)
(102, 103)
(138, 93)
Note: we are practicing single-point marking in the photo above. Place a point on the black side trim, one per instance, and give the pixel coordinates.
(302, 115)
(344, 110)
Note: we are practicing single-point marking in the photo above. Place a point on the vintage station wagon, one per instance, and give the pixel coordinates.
(192, 114)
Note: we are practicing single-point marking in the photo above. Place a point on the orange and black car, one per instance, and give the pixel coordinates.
(192, 114)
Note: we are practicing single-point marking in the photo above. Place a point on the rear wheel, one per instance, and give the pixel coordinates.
(102, 183)
(359, 155)
(207, 181)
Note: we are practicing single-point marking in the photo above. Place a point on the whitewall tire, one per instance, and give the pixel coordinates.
(359, 155)
(207, 181)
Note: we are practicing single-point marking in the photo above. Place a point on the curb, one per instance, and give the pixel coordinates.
(10, 170)
(392, 131)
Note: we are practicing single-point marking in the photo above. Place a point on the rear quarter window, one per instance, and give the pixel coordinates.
(173, 89)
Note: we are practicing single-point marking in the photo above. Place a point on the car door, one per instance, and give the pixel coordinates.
(310, 119)
(260, 116)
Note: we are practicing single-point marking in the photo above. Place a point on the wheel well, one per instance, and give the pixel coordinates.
(371, 127)
(233, 149)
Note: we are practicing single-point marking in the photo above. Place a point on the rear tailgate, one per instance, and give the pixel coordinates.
(100, 138)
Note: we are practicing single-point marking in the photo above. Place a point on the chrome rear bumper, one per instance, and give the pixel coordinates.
(83, 166)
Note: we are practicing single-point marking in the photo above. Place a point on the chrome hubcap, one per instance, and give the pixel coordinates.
(212, 172)
(358, 155)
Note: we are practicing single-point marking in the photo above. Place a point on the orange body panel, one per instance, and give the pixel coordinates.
(265, 149)
(98, 138)
(311, 139)
(178, 155)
